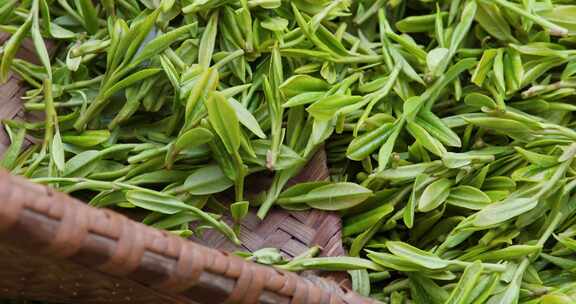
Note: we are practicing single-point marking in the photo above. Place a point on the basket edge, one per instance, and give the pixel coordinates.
(189, 266)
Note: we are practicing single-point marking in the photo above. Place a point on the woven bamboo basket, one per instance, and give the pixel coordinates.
(55, 248)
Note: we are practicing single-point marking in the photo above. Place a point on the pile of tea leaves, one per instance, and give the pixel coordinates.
(448, 128)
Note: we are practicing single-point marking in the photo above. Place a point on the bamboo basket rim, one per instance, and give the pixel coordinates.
(41, 224)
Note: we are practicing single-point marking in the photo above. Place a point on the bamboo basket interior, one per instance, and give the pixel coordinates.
(55, 248)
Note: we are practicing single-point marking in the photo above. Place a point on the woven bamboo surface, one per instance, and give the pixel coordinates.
(10, 92)
(48, 254)
(291, 232)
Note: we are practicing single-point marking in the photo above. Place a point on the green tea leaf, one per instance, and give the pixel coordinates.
(436, 127)
(155, 202)
(509, 253)
(560, 15)
(300, 84)
(362, 146)
(434, 58)
(267, 256)
(492, 20)
(417, 24)
(327, 107)
(468, 197)
(82, 164)
(332, 264)
(275, 24)
(161, 43)
(468, 281)
(239, 210)
(425, 139)
(302, 189)
(483, 67)
(434, 195)
(208, 41)
(393, 262)
(415, 255)
(193, 138)
(11, 48)
(567, 242)
(425, 290)
(360, 281)
(88, 138)
(224, 121)
(303, 99)
(502, 211)
(11, 154)
(39, 41)
(246, 118)
(158, 177)
(206, 180)
(479, 100)
(538, 159)
(90, 16)
(130, 80)
(336, 196)
(57, 152)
